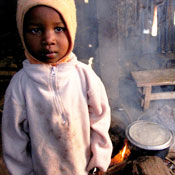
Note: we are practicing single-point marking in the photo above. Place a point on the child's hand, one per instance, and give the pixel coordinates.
(96, 171)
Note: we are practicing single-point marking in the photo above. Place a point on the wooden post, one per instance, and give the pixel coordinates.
(147, 91)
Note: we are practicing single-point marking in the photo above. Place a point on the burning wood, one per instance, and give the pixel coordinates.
(123, 154)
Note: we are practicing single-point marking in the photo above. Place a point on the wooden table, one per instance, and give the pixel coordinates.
(149, 78)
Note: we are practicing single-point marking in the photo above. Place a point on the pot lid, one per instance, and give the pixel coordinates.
(149, 135)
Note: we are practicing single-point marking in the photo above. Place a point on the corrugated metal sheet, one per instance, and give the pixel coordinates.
(135, 20)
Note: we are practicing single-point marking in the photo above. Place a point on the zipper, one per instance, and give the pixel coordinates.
(53, 72)
(57, 98)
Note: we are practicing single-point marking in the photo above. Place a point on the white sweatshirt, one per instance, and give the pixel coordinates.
(56, 120)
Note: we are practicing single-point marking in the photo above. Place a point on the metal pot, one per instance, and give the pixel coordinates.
(148, 138)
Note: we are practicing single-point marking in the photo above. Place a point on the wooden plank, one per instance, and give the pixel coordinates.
(162, 95)
(157, 77)
(147, 91)
(7, 73)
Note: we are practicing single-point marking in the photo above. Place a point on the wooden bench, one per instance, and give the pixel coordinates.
(149, 78)
(6, 75)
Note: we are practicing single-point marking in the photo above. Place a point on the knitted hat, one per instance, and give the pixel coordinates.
(67, 10)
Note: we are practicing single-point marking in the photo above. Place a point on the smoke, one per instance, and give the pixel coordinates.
(126, 45)
(117, 34)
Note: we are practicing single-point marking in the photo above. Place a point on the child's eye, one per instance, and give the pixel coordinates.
(60, 29)
(36, 31)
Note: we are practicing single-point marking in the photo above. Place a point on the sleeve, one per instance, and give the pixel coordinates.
(100, 118)
(15, 139)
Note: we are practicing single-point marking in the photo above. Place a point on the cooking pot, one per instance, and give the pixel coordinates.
(148, 138)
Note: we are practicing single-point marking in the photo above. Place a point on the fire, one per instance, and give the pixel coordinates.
(123, 154)
(154, 26)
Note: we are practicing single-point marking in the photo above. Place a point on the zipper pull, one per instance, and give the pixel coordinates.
(53, 71)
(64, 119)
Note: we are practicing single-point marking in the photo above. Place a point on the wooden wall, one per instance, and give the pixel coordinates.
(133, 18)
(127, 22)
(126, 44)
(116, 33)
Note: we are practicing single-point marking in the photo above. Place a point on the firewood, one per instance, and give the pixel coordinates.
(116, 168)
(7, 73)
(145, 165)
(173, 162)
(149, 165)
(171, 155)
(172, 173)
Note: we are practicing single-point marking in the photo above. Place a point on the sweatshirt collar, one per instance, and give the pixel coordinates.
(41, 73)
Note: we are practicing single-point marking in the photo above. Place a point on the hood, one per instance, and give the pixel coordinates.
(67, 10)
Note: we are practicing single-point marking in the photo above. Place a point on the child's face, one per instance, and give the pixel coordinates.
(45, 34)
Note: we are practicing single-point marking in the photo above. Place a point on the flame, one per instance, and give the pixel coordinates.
(123, 154)
(90, 62)
(154, 26)
(86, 1)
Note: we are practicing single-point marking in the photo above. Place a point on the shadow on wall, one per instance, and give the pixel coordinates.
(7, 16)
(11, 52)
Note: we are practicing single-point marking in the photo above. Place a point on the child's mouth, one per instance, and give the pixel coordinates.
(50, 55)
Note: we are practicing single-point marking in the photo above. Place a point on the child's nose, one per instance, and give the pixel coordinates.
(48, 38)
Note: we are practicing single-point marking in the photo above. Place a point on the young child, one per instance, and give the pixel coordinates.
(56, 114)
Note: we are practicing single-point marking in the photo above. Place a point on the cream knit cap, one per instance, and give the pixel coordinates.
(67, 10)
